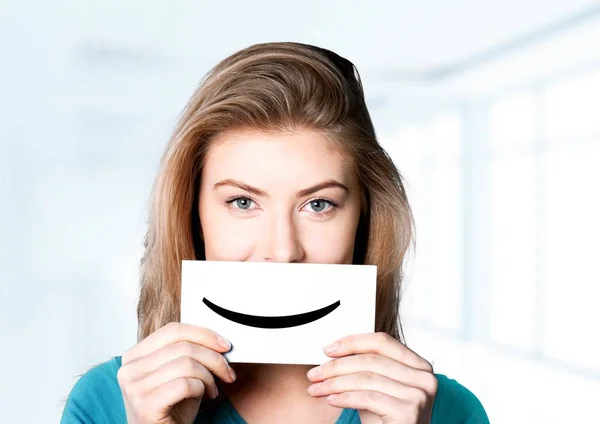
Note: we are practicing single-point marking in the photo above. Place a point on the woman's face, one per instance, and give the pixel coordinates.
(281, 197)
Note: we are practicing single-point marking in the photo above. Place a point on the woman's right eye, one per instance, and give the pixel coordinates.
(242, 203)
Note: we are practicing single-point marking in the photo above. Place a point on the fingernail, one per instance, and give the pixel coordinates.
(223, 342)
(331, 348)
(332, 397)
(215, 393)
(232, 373)
(314, 372)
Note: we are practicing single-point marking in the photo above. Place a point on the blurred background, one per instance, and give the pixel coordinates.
(491, 110)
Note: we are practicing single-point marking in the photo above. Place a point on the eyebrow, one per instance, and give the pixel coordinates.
(302, 193)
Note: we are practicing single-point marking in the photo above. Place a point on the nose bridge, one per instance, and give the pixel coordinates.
(283, 242)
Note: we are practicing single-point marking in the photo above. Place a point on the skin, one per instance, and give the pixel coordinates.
(279, 197)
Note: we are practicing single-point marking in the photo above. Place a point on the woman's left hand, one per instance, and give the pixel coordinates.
(379, 376)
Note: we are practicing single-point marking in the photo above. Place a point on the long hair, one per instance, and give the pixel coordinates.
(274, 87)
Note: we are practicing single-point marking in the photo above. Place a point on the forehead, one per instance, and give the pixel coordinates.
(265, 156)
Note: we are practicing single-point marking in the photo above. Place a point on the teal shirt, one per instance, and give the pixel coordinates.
(96, 398)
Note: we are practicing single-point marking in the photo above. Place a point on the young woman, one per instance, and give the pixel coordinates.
(274, 159)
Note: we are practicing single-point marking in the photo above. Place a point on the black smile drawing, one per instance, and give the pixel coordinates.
(272, 322)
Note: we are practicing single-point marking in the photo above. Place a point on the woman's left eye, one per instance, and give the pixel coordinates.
(320, 205)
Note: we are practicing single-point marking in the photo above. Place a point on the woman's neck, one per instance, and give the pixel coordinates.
(270, 379)
(270, 393)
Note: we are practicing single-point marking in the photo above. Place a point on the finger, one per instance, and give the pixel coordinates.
(376, 364)
(213, 361)
(380, 404)
(175, 332)
(174, 391)
(183, 367)
(380, 343)
(361, 381)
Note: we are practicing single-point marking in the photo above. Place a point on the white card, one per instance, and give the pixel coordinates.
(280, 313)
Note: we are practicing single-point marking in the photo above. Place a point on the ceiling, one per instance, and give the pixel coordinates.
(417, 35)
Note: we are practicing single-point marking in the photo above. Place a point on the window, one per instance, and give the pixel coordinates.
(570, 217)
(429, 156)
(537, 206)
(512, 232)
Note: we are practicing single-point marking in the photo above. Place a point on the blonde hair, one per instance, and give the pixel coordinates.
(274, 87)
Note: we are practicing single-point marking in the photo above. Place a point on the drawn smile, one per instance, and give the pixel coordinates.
(285, 321)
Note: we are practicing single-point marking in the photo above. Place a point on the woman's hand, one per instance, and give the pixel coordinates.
(376, 374)
(165, 376)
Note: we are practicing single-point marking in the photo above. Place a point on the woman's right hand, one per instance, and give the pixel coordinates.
(164, 377)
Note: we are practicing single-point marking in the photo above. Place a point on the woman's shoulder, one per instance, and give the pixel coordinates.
(455, 404)
(96, 396)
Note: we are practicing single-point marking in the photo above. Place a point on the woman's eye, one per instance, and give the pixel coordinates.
(320, 205)
(242, 203)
